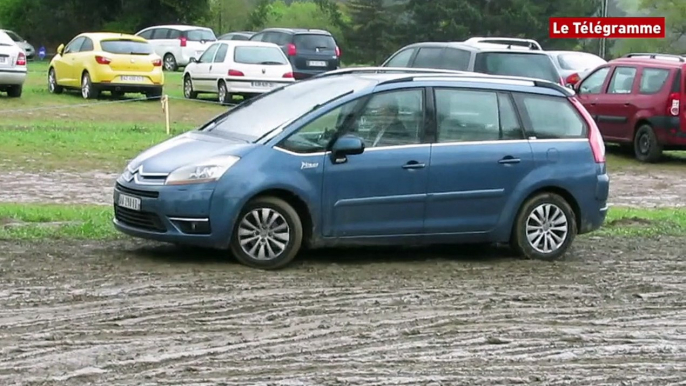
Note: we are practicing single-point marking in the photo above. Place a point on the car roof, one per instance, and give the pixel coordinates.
(480, 47)
(652, 60)
(248, 43)
(180, 27)
(109, 35)
(297, 31)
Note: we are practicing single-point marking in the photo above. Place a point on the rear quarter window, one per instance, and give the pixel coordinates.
(259, 55)
(652, 80)
(126, 47)
(550, 117)
(314, 41)
(539, 66)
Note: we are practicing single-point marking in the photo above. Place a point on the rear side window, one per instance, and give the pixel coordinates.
(259, 55)
(539, 66)
(652, 80)
(552, 117)
(428, 57)
(454, 59)
(196, 35)
(174, 34)
(622, 80)
(126, 47)
(160, 33)
(314, 41)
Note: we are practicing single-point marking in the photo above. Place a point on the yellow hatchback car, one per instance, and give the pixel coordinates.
(96, 62)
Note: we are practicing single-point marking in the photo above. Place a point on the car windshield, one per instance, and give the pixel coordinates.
(259, 55)
(197, 35)
(249, 122)
(312, 42)
(579, 61)
(127, 47)
(539, 66)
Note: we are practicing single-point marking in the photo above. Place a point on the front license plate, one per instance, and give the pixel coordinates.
(262, 84)
(128, 202)
(316, 63)
(128, 78)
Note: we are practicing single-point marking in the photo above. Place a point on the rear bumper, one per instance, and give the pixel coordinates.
(593, 214)
(304, 74)
(12, 77)
(125, 87)
(246, 86)
(670, 131)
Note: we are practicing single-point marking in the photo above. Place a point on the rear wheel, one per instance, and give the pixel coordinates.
(223, 94)
(170, 62)
(268, 234)
(14, 91)
(646, 146)
(88, 90)
(53, 87)
(155, 93)
(545, 227)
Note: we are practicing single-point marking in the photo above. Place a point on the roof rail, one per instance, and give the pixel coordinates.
(378, 70)
(655, 56)
(532, 44)
(479, 77)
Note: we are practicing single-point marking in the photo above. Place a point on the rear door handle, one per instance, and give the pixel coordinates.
(414, 165)
(509, 160)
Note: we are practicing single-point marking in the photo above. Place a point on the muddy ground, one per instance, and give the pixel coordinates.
(627, 188)
(130, 313)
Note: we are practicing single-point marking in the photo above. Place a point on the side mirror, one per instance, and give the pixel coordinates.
(60, 49)
(344, 146)
(194, 60)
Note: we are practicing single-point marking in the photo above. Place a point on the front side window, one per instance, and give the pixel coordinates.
(208, 55)
(74, 45)
(552, 117)
(428, 57)
(593, 84)
(401, 59)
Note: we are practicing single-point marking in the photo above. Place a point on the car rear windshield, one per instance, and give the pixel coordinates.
(259, 55)
(539, 66)
(14, 36)
(196, 35)
(5, 40)
(579, 61)
(314, 41)
(126, 47)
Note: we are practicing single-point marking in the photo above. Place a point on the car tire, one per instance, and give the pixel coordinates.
(88, 89)
(223, 94)
(543, 218)
(253, 235)
(188, 92)
(646, 146)
(53, 87)
(170, 63)
(118, 94)
(154, 94)
(14, 91)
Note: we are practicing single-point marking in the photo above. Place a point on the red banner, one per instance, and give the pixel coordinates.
(606, 27)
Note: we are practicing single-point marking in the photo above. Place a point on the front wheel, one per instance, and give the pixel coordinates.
(646, 146)
(268, 234)
(188, 92)
(544, 228)
(53, 87)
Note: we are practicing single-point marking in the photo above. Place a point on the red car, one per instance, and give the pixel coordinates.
(638, 102)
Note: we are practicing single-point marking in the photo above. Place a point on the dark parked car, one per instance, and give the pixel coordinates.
(310, 51)
(238, 35)
(638, 102)
(494, 56)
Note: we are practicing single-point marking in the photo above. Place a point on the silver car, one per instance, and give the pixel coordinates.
(575, 65)
(21, 42)
(12, 66)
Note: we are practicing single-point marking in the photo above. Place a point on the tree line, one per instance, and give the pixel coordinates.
(367, 30)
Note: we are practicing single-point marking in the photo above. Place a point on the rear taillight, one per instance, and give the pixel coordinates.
(21, 59)
(288, 75)
(292, 51)
(102, 59)
(235, 73)
(594, 136)
(573, 79)
(157, 62)
(673, 104)
(183, 41)
(338, 52)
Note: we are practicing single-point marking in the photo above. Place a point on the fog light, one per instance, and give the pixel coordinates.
(192, 226)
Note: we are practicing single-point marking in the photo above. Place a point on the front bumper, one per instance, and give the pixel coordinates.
(182, 215)
(12, 77)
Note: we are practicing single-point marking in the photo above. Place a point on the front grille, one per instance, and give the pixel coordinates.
(136, 192)
(143, 220)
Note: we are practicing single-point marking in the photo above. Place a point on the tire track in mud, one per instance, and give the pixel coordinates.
(130, 313)
(627, 188)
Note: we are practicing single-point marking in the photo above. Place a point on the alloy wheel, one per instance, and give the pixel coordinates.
(547, 228)
(263, 234)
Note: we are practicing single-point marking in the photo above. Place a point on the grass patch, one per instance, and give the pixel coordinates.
(42, 131)
(39, 221)
(94, 222)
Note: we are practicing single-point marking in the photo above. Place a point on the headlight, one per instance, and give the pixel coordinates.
(206, 171)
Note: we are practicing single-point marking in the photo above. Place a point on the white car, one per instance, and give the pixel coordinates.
(235, 67)
(12, 66)
(177, 44)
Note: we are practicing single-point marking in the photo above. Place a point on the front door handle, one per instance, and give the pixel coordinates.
(509, 160)
(414, 165)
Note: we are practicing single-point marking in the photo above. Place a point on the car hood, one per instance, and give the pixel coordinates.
(186, 149)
